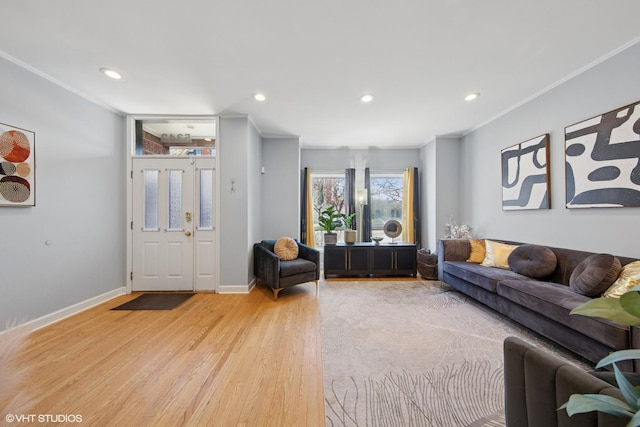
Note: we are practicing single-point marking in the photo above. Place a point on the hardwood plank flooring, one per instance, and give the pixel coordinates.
(216, 360)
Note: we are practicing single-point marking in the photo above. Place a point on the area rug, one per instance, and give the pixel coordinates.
(412, 353)
(155, 301)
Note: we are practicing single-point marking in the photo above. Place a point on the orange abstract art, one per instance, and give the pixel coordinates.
(17, 166)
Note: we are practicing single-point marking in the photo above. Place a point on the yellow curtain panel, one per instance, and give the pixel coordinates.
(407, 206)
(310, 235)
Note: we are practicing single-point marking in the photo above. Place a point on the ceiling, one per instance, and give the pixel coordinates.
(313, 60)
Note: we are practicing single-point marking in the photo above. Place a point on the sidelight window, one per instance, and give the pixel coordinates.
(175, 199)
(150, 199)
(206, 198)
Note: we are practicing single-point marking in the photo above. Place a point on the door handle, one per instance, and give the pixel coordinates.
(187, 233)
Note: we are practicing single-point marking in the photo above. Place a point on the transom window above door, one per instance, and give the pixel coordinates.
(175, 138)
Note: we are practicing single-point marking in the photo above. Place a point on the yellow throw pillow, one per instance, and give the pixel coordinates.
(286, 248)
(477, 251)
(497, 254)
(628, 278)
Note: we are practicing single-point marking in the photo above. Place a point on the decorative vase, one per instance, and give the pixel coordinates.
(330, 238)
(349, 236)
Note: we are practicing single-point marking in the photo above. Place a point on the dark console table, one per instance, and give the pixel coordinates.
(367, 259)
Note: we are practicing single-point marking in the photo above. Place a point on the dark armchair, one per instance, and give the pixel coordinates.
(279, 274)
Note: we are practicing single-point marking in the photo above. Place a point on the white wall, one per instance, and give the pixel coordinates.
(80, 201)
(280, 188)
(611, 84)
(339, 159)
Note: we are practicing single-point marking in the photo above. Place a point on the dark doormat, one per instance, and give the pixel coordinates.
(155, 302)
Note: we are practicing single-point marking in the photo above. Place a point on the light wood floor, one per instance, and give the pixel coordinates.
(216, 360)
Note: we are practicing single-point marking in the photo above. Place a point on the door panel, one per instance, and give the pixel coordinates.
(162, 237)
(150, 259)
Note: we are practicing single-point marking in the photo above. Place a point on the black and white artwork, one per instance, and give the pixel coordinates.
(525, 175)
(602, 160)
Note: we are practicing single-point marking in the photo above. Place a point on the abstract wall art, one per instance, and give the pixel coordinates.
(525, 175)
(602, 160)
(17, 166)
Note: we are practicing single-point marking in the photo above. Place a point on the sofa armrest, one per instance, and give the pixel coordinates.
(266, 265)
(452, 250)
(538, 383)
(310, 254)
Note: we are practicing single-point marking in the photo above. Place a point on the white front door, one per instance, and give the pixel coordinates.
(173, 224)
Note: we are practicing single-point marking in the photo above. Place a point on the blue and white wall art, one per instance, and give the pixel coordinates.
(602, 160)
(525, 175)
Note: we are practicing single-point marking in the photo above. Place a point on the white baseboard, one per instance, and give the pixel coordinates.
(56, 316)
(237, 289)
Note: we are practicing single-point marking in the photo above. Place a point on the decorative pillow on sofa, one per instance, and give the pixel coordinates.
(497, 254)
(286, 248)
(595, 274)
(628, 278)
(533, 261)
(477, 251)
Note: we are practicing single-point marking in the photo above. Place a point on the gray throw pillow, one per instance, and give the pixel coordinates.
(595, 274)
(533, 261)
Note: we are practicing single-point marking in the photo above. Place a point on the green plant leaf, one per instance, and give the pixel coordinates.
(607, 308)
(630, 302)
(635, 420)
(581, 403)
(629, 392)
(618, 356)
(329, 219)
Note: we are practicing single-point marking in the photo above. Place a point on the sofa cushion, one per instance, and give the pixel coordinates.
(296, 266)
(497, 254)
(286, 248)
(484, 277)
(478, 251)
(629, 278)
(533, 261)
(555, 301)
(595, 274)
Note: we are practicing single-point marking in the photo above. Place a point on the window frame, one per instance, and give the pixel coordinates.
(378, 230)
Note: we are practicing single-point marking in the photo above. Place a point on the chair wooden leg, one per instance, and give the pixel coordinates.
(275, 293)
(317, 286)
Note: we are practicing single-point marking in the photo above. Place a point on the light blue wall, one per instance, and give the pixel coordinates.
(611, 84)
(440, 188)
(240, 154)
(281, 188)
(80, 201)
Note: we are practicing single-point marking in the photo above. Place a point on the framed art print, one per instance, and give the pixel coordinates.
(602, 160)
(525, 175)
(17, 166)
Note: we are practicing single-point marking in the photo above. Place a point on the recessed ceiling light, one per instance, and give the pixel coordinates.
(471, 96)
(109, 72)
(367, 97)
(260, 97)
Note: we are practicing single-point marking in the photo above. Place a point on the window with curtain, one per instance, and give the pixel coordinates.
(386, 201)
(327, 189)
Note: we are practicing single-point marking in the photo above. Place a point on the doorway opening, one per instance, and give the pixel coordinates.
(172, 204)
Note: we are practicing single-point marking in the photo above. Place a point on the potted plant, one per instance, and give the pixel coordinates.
(625, 310)
(349, 232)
(329, 220)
